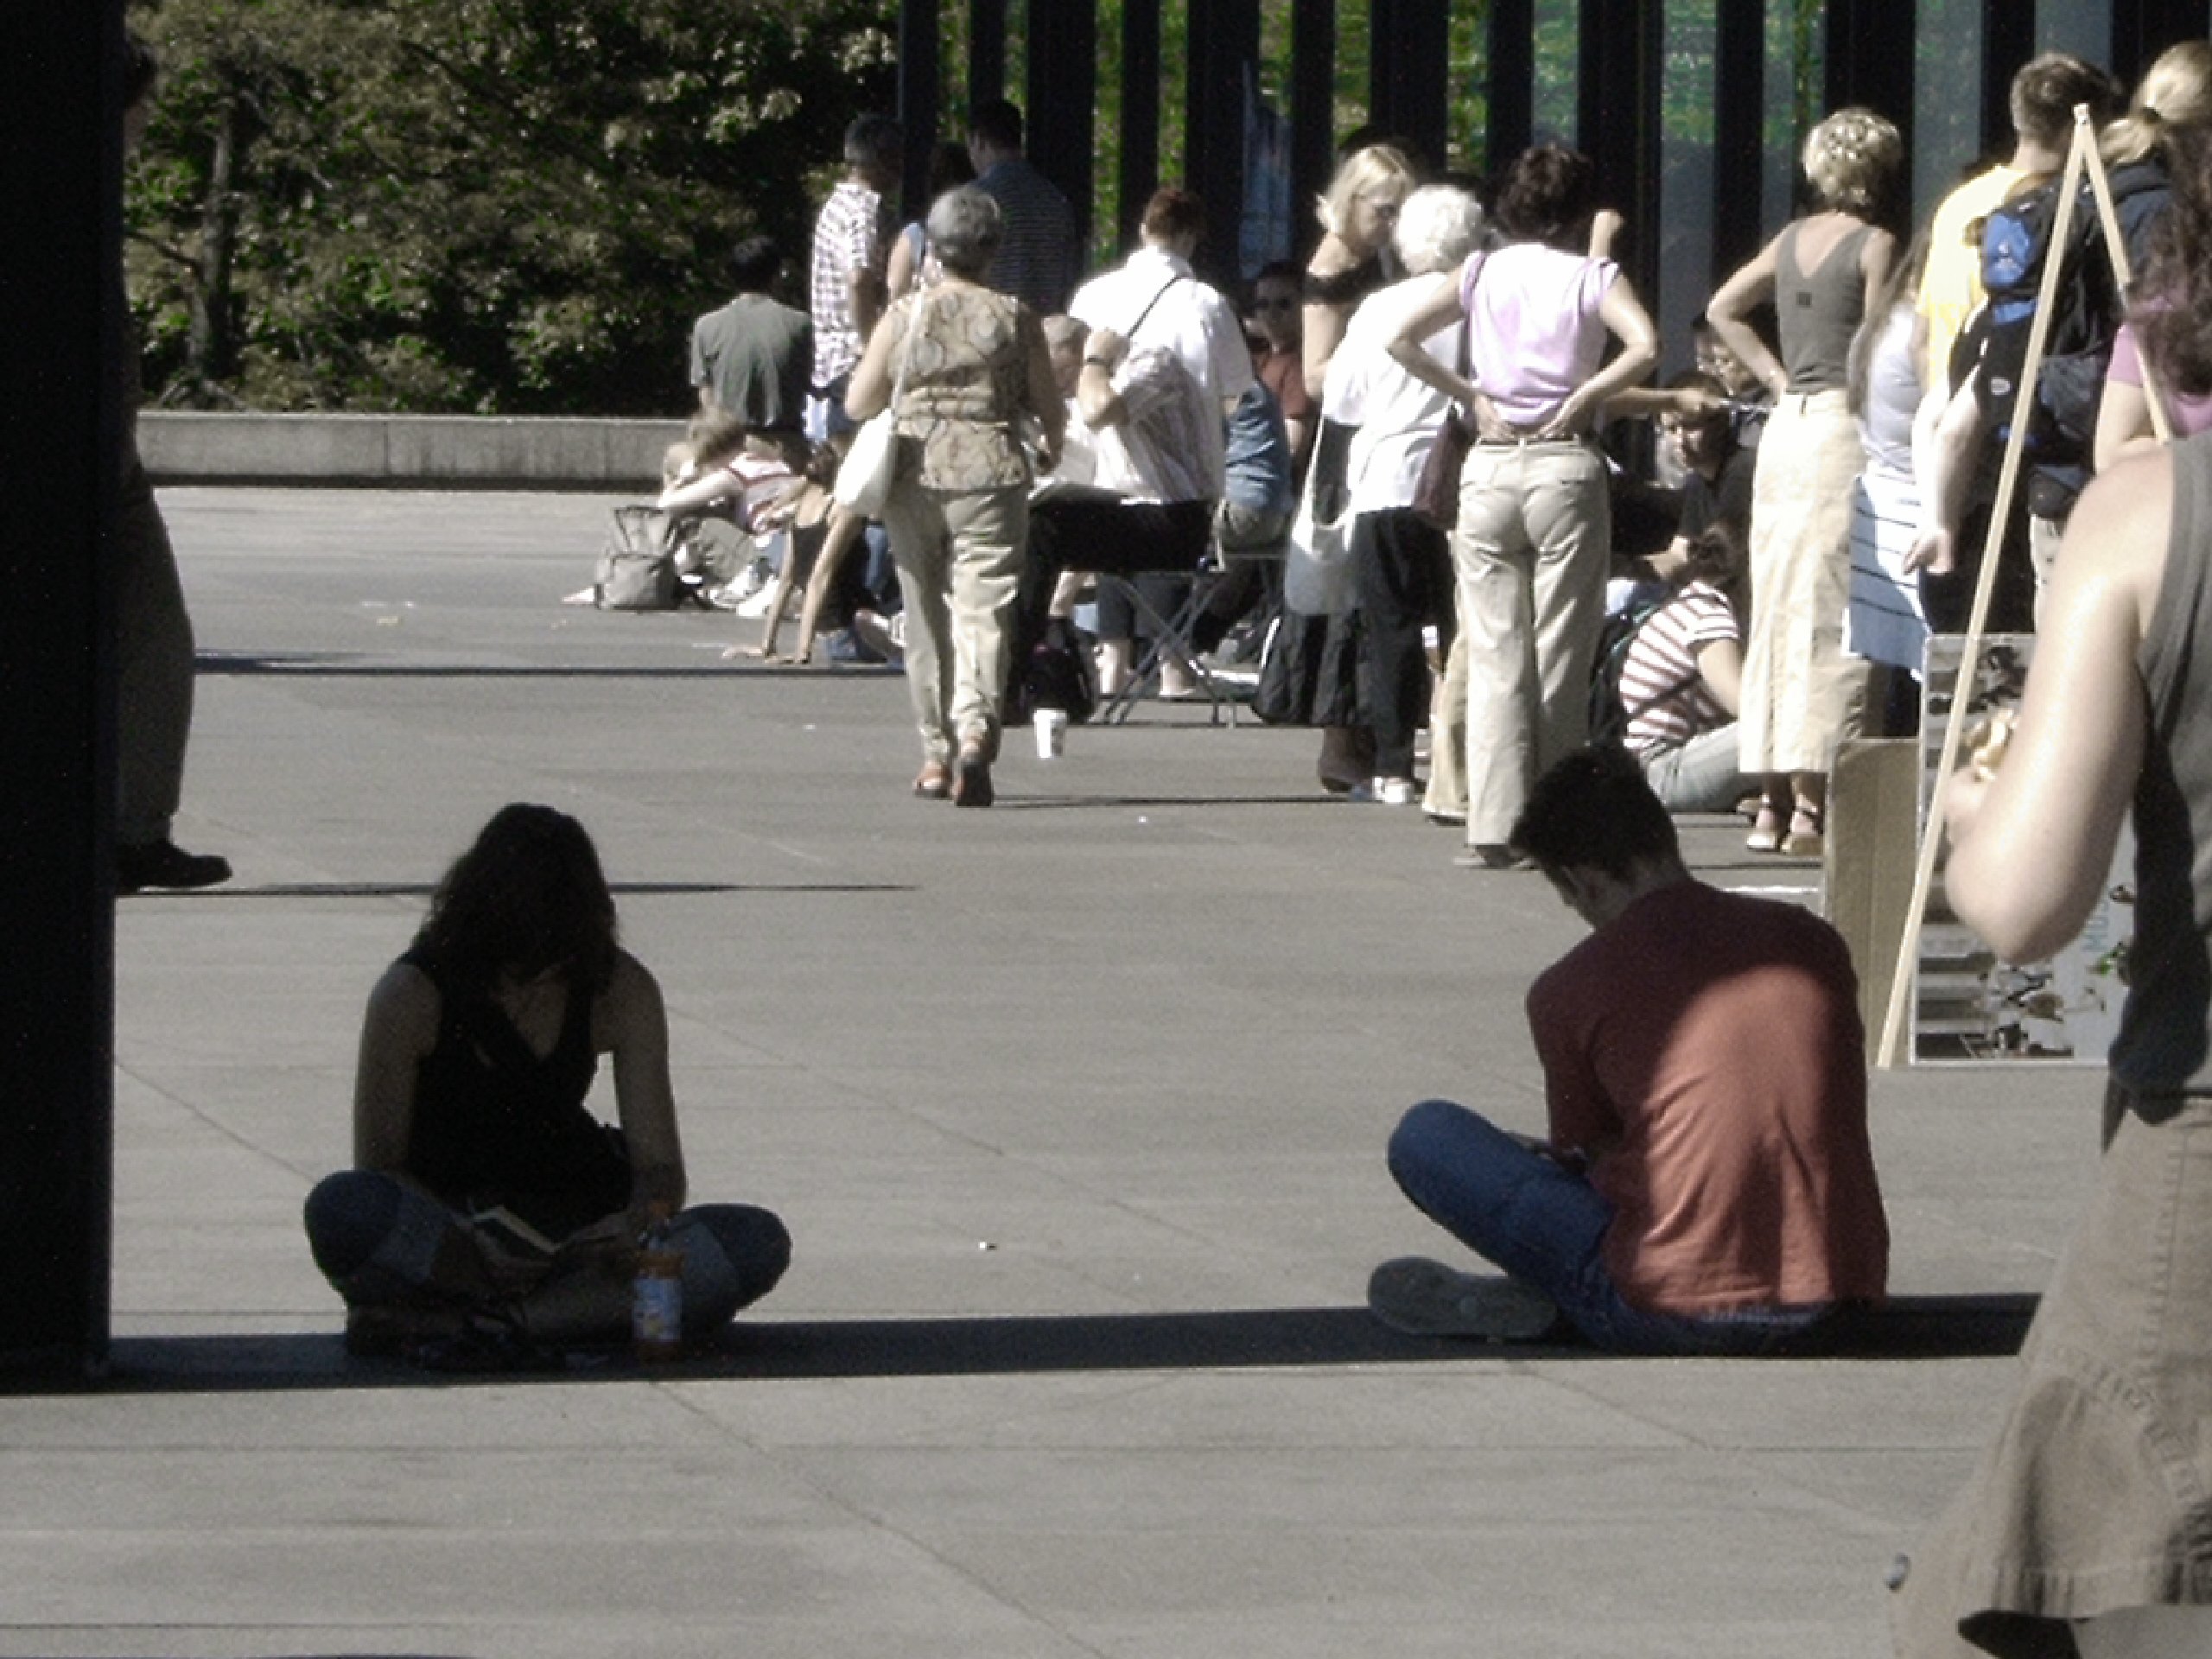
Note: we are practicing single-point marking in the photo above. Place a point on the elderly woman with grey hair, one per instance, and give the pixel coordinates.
(1401, 562)
(975, 391)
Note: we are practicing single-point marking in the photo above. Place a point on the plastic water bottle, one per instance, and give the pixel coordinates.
(656, 1297)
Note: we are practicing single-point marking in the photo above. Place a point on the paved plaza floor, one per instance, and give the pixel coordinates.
(1076, 1110)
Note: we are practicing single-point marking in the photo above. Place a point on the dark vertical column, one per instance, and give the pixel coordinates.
(1062, 88)
(1224, 50)
(1870, 63)
(1313, 113)
(1617, 120)
(917, 97)
(986, 51)
(1408, 65)
(1512, 68)
(1140, 111)
(60, 423)
(1739, 132)
(2143, 29)
(2008, 40)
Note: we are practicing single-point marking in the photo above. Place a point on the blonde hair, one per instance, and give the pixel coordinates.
(1851, 158)
(2176, 88)
(1361, 171)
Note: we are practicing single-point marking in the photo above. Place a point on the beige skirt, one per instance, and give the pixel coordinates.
(1801, 690)
(2097, 1494)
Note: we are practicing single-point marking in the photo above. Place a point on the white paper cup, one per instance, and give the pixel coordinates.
(1051, 729)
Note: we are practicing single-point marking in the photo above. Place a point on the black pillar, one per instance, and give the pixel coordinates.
(2143, 29)
(1512, 69)
(2008, 40)
(1139, 112)
(1617, 120)
(986, 51)
(1224, 53)
(918, 98)
(1063, 87)
(1312, 113)
(1870, 63)
(60, 423)
(1409, 63)
(1739, 132)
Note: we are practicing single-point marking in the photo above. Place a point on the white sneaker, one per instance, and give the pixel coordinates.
(1420, 1298)
(1396, 791)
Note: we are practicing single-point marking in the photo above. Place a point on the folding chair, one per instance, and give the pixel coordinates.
(1170, 638)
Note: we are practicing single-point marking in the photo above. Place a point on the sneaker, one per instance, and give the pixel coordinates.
(1488, 855)
(875, 633)
(1393, 791)
(164, 864)
(1420, 1298)
(847, 650)
(753, 606)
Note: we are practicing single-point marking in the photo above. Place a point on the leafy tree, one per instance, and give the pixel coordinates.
(513, 205)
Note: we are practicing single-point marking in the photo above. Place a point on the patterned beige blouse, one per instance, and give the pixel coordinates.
(967, 387)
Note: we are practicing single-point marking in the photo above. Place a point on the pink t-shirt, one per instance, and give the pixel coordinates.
(1535, 332)
(2189, 414)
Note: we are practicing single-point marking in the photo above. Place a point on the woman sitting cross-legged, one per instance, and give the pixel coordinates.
(489, 1216)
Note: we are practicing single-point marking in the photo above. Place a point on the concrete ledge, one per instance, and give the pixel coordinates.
(413, 451)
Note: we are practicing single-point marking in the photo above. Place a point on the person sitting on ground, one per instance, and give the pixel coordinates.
(1707, 1186)
(1716, 469)
(1681, 674)
(489, 1215)
(758, 484)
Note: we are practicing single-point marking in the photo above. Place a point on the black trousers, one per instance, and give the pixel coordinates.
(1083, 529)
(1402, 564)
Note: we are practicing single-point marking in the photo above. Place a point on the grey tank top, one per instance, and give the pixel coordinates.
(1817, 315)
(2164, 1040)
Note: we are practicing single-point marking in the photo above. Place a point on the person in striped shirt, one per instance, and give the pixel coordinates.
(1678, 681)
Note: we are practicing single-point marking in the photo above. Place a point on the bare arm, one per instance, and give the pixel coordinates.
(2123, 423)
(1945, 434)
(902, 270)
(1875, 255)
(632, 1024)
(2032, 848)
(1730, 308)
(1632, 325)
(711, 485)
(398, 1031)
(1720, 665)
(1324, 324)
(1439, 310)
(868, 392)
(1042, 392)
(1095, 399)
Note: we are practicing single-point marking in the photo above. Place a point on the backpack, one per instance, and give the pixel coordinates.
(644, 559)
(2085, 315)
(1609, 715)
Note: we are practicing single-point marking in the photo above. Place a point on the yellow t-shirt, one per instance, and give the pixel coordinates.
(1950, 283)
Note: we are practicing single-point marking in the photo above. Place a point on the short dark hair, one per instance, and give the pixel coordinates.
(1594, 811)
(754, 263)
(997, 122)
(1174, 212)
(2048, 87)
(874, 139)
(1549, 195)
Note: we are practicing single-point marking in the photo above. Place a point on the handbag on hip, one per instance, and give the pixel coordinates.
(871, 462)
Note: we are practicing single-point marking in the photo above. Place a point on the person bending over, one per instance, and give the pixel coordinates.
(489, 1215)
(1707, 1186)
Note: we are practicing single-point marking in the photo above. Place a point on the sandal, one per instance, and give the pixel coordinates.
(971, 778)
(934, 782)
(1766, 831)
(1805, 839)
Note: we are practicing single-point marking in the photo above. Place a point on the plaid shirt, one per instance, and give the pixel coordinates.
(854, 233)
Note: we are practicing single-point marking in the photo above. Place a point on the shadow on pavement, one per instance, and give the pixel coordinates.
(1910, 1327)
(424, 890)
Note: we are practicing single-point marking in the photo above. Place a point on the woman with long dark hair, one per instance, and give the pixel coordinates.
(489, 1215)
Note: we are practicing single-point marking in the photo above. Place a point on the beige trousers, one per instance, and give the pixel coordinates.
(1532, 551)
(959, 555)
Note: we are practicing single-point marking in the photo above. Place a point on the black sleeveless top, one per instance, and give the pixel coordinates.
(496, 1125)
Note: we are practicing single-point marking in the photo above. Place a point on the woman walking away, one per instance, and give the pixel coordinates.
(1532, 545)
(2088, 1526)
(488, 1215)
(1824, 273)
(975, 390)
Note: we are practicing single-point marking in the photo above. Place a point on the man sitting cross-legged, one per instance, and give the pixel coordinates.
(1707, 1186)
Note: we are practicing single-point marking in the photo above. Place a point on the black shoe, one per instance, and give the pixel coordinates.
(164, 864)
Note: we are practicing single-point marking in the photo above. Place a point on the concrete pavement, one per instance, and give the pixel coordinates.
(1076, 1110)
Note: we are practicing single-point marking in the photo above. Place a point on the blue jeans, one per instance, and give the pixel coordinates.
(1545, 1225)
